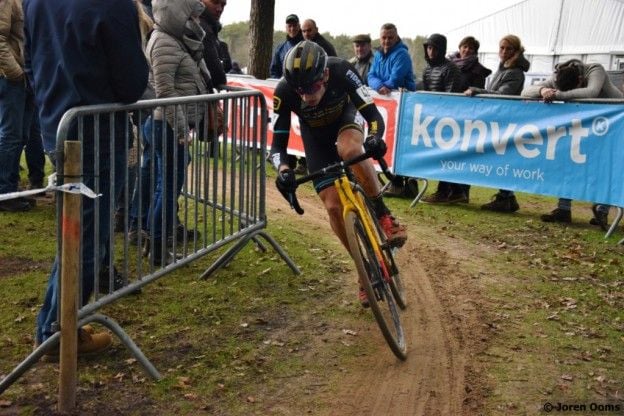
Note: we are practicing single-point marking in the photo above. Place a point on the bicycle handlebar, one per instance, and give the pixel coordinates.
(336, 167)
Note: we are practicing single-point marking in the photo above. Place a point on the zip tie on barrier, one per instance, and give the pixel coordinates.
(72, 188)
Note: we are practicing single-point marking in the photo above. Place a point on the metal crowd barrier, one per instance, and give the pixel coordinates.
(216, 180)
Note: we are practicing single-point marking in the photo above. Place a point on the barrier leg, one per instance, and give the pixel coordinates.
(615, 223)
(421, 193)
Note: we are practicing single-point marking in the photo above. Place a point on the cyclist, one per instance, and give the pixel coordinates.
(327, 93)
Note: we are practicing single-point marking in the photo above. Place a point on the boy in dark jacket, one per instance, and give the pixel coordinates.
(442, 75)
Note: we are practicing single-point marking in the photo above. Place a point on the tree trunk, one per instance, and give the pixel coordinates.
(261, 36)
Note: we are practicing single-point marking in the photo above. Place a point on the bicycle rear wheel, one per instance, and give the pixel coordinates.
(378, 290)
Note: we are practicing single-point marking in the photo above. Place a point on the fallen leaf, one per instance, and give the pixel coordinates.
(184, 382)
(567, 377)
(349, 332)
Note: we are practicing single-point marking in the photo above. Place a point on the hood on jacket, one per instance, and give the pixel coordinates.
(439, 42)
(171, 15)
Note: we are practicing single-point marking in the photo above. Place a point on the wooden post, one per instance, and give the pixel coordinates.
(70, 272)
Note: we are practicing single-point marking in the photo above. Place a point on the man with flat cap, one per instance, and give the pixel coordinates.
(293, 37)
(363, 58)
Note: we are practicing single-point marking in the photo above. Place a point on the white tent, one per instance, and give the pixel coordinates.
(552, 31)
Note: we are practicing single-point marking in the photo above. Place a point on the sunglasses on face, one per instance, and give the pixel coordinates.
(310, 89)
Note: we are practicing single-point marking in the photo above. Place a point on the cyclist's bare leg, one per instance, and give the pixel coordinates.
(349, 145)
(330, 199)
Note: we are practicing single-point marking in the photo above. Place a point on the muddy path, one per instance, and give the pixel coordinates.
(443, 326)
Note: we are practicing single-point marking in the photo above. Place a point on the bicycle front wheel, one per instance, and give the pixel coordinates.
(379, 293)
(396, 282)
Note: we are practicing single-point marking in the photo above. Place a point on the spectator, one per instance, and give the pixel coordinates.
(392, 70)
(176, 70)
(236, 69)
(63, 31)
(35, 156)
(293, 37)
(16, 103)
(146, 24)
(310, 32)
(224, 54)
(470, 74)
(214, 54)
(508, 80)
(363, 58)
(573, 80)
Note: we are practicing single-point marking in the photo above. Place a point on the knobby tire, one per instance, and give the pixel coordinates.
(380, 297)
(396, 284)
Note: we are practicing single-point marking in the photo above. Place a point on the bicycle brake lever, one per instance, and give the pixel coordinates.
(294, 203)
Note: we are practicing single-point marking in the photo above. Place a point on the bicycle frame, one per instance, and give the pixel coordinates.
(351, 202)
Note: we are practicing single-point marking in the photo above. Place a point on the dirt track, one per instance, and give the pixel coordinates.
(442, 329)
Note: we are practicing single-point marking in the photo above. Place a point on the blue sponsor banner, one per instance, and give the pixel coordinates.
(569, 150)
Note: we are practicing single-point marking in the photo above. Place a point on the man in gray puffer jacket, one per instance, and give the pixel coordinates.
(175, 53)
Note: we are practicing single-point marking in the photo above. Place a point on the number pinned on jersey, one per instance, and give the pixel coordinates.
(364, 94)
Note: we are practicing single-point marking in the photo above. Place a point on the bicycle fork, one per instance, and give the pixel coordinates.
(350, 202)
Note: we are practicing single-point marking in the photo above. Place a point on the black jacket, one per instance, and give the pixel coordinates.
(324, 43)
(212, 48)
(440, 74)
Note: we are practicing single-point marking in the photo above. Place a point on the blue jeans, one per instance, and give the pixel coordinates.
(141, 195)
(16, 109)
(93, 255)
(169, 174)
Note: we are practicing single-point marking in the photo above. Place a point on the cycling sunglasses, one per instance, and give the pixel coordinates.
(310, 89)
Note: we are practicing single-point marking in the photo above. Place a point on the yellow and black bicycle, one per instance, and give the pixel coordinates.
(374, 259)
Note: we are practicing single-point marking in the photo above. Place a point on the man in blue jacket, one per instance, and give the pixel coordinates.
(83, 52)
(293, 37)
(392, 70)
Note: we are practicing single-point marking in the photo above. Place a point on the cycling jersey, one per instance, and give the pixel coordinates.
(345, 95)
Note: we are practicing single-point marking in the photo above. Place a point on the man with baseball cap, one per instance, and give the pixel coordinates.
(363, 58)
(293, 37)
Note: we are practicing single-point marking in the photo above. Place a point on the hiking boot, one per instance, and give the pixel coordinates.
(457, 198)
(600, 218)
(363, 297)
(411, 188)
(117, 278)
(395, 232)
(89, 343)
(15, 205)
(558, 215)
(436, 198)
(189, 233)
(394, 191)
(502, 203)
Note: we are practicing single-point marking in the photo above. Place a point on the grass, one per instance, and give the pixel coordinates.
(255, 337)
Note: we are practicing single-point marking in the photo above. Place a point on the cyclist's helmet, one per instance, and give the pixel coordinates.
(304, 64)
